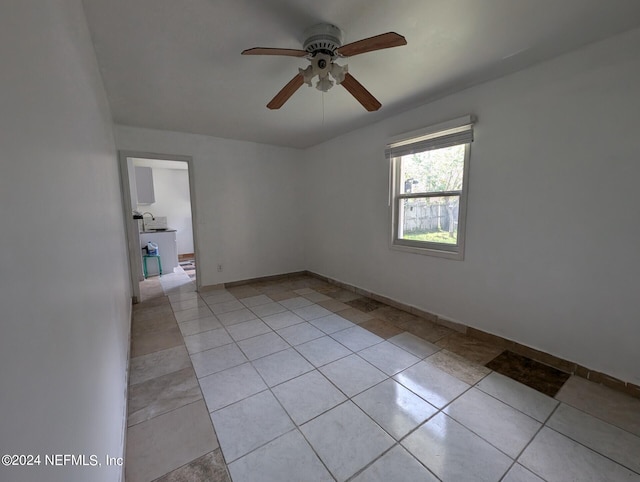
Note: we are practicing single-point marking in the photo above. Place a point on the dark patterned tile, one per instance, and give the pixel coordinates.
(355, 316)
(151, 289)
(300, 283)
(317, 284)
(210, 468)
(333, 305)
(316, 297)
(365, 304)
(539, 376)
(327, 289)
(470, 348)
(458, 366)
(382, 328)
(425, 329)
(282, 295)
(341, 295)
(614, 407)
(159, 301)
(162, 444)
(262, 286)
(395, 316)
(143, 368)
(162, 394)
(243, 291)
(151, 312)
(151, 325)
(150, 342)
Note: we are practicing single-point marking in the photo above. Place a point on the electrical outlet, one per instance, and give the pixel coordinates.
(219, 268)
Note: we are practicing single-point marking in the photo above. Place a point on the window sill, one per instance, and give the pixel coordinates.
(438, 253)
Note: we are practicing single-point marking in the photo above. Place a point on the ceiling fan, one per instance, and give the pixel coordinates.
(322, 47)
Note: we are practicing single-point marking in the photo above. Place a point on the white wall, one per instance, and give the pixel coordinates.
(171, 188)
(247, 200)
(552, 255)
(65, 323)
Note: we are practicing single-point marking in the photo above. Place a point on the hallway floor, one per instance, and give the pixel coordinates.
(304, 381)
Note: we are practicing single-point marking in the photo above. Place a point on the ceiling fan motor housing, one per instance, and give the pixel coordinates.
(324, 38)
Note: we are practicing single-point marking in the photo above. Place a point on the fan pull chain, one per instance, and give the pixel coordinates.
(324, 144)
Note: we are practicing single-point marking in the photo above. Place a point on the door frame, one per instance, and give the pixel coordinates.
(133, 235)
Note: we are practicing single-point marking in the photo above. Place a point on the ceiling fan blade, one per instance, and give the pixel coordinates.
(379, 42)
(361, 94)
(270, 51)
(286, 92)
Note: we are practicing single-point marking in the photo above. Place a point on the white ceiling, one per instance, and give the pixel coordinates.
(176, 65)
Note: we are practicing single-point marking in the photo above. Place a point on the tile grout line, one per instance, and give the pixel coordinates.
(387, 377)
(226, 465)
(508, 404)
(202, 397)
(295, 426)
(590, 448)
(185, 405)
(542, 425)
(348, 398)
(597, 418)
(396, 443)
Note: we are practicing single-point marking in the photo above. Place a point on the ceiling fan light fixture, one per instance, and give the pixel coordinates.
(307, 74)
(321, 64)
(338, 72)
(322, 67)
(324, 84)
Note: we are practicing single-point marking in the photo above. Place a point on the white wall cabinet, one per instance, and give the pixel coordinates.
(144, 185)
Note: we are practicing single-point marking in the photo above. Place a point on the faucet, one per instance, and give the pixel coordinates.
(152, 218)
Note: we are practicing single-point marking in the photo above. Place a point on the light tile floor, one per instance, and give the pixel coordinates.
(281, 376)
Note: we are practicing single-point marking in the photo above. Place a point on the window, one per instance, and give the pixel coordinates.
(429, 189)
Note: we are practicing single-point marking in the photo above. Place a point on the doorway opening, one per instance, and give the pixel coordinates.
(159, 208)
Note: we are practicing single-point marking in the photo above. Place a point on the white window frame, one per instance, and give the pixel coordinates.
(426, 139)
